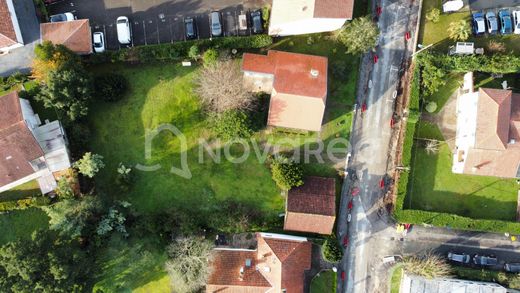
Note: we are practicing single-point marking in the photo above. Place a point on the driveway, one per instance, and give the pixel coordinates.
(20, 59)
(486, 4)
(158, 21)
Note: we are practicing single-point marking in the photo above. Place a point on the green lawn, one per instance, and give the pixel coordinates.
(21, 223)
(25, 190)
(441, 96)
(433, 187)
(437, 33)
(395, 281)
(324, 283)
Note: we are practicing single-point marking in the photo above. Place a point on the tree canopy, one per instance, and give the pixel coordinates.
(359, 35)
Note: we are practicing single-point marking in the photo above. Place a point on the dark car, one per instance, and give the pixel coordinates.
(215, 24)
(191, 28)
(492, 23)
(506, 25)
(461, 258)
(479, 25)
(485, 260)
(512, 267)
(256, 22)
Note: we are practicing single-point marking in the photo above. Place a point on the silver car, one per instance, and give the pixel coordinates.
(216, 24)
(459, 257)
(492, 22)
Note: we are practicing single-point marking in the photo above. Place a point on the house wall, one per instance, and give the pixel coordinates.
(296, 112)
(306, 26)
(14, 19)
(32, 119)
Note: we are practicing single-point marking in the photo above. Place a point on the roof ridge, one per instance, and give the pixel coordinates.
(80, 25)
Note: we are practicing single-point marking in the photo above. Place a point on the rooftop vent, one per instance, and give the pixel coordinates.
(8, 157)
(512, 141)
(314, 73)
(267, 269)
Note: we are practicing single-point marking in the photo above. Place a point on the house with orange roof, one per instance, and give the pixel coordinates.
(29, 150)
(10, 31)
(75, 35)
(297, 84)
(297, 17)
(278, 264)
(312, 206)
(488, 133)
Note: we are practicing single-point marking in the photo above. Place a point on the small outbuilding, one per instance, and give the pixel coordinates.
(75, 35)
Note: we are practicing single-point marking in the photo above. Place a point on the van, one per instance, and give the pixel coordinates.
(216, 24)
(124, 32)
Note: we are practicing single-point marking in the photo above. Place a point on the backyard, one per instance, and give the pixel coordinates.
(325, 282)
(162, 94)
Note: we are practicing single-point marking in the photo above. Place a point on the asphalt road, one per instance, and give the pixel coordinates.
(370, 141)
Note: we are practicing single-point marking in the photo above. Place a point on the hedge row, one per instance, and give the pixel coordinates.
(178, 50)
(24, 203)
(505, 63)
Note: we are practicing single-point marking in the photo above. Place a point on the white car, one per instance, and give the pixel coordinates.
(99, 42)
(124, 31)
(67, 16)
(516, 21)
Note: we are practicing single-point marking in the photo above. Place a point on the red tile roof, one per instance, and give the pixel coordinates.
(312, 206)
(293, 72)
(7, 32)
(498, 124)
(75, 35)
(333, 9)
(294, 256)
(18, 146)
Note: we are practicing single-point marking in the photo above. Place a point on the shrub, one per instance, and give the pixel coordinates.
(90, 164)
(331, 250)
(125, 177)
(431, 107)
(359, 35)
(64, 188)
(266, 11)
(428, 266)
(433, 15)
(232, 124)
(111, 87)
(210, 57)
(286, 173)
(25, 203)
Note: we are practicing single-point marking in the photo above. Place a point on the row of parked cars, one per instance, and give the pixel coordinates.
(506, 22)
(482, 260)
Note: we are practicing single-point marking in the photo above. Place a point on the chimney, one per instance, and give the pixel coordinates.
(314, 73)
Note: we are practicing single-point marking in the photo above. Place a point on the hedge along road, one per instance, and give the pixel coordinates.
(156, 22)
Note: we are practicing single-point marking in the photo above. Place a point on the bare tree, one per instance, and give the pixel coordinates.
(220, 87)
(429, 266)
(188, 265)
(432, 147)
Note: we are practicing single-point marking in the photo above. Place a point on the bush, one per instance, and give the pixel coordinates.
(331, 250)
(286, 173)
(232, 124)
(25, 203)
(89, 164)
(431, 107)
(111, 87)
(125, 177)
(210, 57)
(433, 15)
(64, 188)
(428, 266)
(266, 12)
(194, 53)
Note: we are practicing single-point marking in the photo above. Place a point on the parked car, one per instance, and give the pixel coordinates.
(512, 267)
(216, 24)
(256, 22)
(190, 26)
(98, 39)
(461, 258)
(479, 25)
(485, 260)
(516, 21)
(492, 23)
(506, 26)
(124, 31)
(67, 16)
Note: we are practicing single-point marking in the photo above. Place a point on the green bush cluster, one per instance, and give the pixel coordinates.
(331, 250)
(7, 83)
(232, 124)
(178, 50)
(111, 87)
(24, 203)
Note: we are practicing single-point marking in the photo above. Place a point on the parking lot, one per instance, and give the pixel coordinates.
(487, 4)
(157, 21)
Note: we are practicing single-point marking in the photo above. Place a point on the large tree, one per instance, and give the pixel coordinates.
(459, 30)
(220, 87)
(188, 265)
(359, 35)
(286, 173)
(70, 216)
(43, 264)
(89, 164)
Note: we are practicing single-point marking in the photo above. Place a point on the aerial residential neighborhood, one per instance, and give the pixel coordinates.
(286, 146)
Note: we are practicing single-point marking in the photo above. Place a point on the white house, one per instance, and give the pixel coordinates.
(297, 17)
(29, 150)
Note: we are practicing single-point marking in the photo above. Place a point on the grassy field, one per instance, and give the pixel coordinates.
(25, 190)
(395, 281)
(437, 33)
(21, 224)
(324, 283)
(441, 96)
(433, 187)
